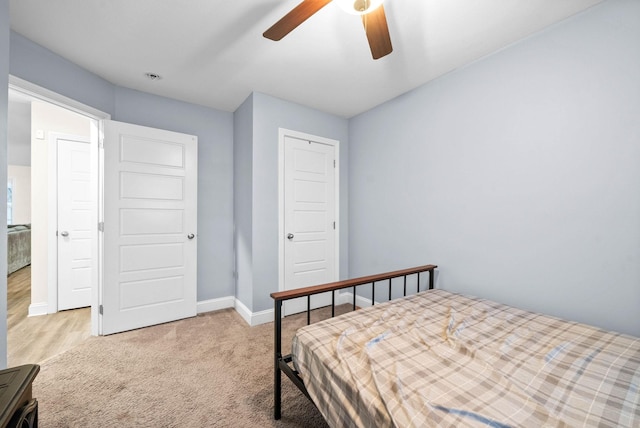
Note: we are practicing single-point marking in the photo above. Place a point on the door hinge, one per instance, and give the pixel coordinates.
(101, 226)
(334, 163)
(334, 225)
(100, 309)
(101, 143)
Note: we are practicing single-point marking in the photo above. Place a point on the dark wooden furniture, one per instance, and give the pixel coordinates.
(17, 406)
(282, 363)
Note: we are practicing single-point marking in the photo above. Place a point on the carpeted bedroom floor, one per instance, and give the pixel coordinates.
(209, 371)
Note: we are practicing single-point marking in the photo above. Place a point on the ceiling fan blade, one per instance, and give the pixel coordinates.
(375, 25)
(291, 20)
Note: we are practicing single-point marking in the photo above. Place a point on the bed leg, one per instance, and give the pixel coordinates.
(277, 378)
(277, 398)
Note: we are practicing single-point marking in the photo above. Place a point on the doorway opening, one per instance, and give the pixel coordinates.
(38, 123)
(135, 201)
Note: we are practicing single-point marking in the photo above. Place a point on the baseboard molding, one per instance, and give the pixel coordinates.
(344, 298)
(215, 304)
(37, 309)
(262, 317)
(244, 312)
(253, 318)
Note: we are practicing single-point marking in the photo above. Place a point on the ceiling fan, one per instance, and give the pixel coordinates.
(373, 18)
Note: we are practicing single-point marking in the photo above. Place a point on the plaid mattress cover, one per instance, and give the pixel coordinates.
(443, 359)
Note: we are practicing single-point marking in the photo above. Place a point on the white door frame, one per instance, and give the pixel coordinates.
(282, 133)
(97, 116)
(52, 191)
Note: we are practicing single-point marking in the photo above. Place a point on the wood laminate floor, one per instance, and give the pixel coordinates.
(31, 340)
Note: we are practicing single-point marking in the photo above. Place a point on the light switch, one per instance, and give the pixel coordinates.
(39, 134)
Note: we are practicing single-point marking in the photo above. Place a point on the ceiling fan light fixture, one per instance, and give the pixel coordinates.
(358, 7)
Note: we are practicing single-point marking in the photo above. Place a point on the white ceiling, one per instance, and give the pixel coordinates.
(212, 53)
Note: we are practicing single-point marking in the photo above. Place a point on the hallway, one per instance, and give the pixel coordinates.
(31, 340)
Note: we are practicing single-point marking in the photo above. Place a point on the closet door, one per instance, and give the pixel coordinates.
(309, 219)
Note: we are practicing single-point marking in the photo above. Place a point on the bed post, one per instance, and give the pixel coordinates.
(277, 379)
(431, 279)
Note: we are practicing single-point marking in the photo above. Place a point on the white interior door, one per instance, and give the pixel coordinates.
(150, 221)
(309, 219)
(76, 223)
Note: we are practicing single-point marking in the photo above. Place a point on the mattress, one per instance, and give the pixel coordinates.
(443, 359)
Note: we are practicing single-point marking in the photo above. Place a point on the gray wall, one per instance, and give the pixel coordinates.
(38, 65)
(256, 126)
(4, 82)
(214, 129)
(270, 114)
(243, 201)
(518, 174)
(256, 131)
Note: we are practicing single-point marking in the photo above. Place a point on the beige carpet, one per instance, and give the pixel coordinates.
(208, 371)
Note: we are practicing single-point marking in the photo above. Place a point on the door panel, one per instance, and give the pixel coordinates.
(150, 225)
(151, 186)
(77, 221)
(139, 221)
(310, 212)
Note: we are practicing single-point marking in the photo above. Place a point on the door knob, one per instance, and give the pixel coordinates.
(290, 236)
(64, 233)
(191, 236)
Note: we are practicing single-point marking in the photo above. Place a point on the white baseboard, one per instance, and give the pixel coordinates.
(253, 318)
(244, 312)
(262, 317)
(37, 309)
(215, 304)
(362, 302)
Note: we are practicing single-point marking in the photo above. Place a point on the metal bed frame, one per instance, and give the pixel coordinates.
(282, 362)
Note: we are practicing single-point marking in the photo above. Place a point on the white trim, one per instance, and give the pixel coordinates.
(347, 298)
(244, 312)
(52, 225)
(43, 94)
(97, 158)
(282, 133)
(216, 304)
(31, 89)
(253, 318)
(261, 317)
(37, 309)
